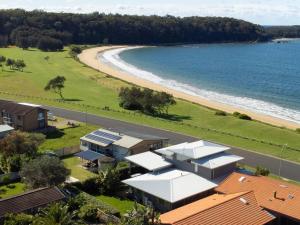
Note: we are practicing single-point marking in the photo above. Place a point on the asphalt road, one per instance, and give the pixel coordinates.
(288, 170)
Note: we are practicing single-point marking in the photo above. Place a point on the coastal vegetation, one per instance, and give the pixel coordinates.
(56, 85)
(50, 31)
(92, 91)
(146, 100)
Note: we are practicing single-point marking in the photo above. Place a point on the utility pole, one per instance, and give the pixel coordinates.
(280, 162)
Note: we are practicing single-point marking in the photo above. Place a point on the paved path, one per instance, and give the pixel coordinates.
(289, 169)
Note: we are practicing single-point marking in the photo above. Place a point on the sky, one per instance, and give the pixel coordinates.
(264, 12)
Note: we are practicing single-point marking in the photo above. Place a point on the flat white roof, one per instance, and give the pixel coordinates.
(217, 160)
(171, 185)
(194, 150)
(149, 161)
(29, 104)
(5, 128)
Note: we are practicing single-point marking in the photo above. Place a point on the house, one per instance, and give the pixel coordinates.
(119, 145)
(23, 116)
(165, 187)
(280, 198)
(209, 160)
(221, 209)
(30, 201)
(4, 130)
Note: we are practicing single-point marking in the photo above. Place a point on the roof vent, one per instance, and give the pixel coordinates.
(242, 179)
(244, 201)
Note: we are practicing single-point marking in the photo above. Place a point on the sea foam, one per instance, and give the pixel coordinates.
(112, 57)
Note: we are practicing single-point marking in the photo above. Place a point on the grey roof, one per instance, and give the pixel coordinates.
(89, 155)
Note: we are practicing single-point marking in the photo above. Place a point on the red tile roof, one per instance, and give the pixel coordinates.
(238, 208)
(274, 195)
(30, 200)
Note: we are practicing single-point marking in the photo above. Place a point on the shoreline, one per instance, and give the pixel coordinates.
(89, 57)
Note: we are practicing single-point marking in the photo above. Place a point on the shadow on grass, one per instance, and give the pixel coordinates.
(72, 100)
(172, 117)
(55, 134)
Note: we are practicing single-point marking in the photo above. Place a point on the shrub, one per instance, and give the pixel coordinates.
(261, 171)
(236, 114)
(298, 130)
(244, 117)
(5, 179)
(220, 113)
(89, 213)
(90, 186)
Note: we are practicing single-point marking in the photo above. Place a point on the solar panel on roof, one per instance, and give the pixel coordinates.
(98, 139)
(107, 135)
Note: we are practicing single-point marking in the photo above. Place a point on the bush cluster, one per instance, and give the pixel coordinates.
(242, 116)
(145, 100)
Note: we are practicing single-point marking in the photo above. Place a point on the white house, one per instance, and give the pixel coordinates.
(165, 187)
(204, 158)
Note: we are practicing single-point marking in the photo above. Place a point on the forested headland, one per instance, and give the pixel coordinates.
(283, 31)
(51, 31)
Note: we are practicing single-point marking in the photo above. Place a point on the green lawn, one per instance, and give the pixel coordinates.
(11, 190)
(122, 205)
(73, 163)
(87, 86)
(66, 137)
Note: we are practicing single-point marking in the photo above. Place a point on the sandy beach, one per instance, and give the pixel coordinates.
(89, 57)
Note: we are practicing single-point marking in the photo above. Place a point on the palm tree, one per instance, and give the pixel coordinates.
(56, 214)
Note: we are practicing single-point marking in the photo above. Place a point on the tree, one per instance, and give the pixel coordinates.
(56, 214)
(44, 171)
(10, 63)
(50, 44)
(18, 143)
(2, 60)
(18, 219)
(56, 85)
(141, 215)
(261, 171)
(108, 181)
(20, 64)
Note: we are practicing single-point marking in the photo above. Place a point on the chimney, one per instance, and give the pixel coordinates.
(275, 194)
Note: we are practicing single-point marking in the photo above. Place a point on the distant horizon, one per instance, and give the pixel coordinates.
(265, 13)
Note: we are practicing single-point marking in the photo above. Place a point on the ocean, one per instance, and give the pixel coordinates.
(259, 77)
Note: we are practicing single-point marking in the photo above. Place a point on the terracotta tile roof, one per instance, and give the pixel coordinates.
(286, 201)
(30, 200)
(238, 208)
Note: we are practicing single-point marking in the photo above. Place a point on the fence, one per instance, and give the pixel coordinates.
(105, 108)
(67, 151)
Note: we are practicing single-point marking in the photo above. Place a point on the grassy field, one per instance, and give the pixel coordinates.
(122, 205)
(73, 163)
(66, 137)
(11, 190)
(86, 86)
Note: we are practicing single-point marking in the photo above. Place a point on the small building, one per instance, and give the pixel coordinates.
(4, 130)
(280, 198)
(119, 145)
(23, 116)
(209, 160)
(220, 209)
(30, 201)
(165, 187)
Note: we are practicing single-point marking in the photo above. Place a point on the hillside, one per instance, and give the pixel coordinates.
(27, 29)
